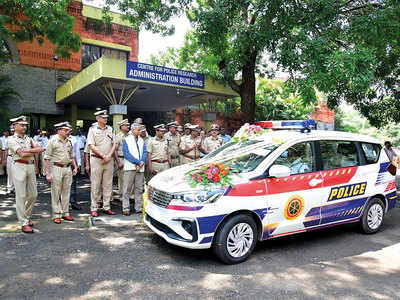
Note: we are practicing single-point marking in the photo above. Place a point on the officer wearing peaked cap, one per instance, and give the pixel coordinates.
(191, 147)
(60, 152)
(159, 158)
(174, 139)
(101, 142)
(119, 155)
(22, 149)
(138, 121)
(213, 141)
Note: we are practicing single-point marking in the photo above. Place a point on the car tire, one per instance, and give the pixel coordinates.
(372, 217)
(235, 239)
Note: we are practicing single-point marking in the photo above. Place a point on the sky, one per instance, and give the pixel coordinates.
(150, 43)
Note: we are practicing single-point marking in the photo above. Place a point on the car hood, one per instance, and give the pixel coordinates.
(175, 180)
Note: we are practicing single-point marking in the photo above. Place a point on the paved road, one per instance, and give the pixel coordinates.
(122, 261)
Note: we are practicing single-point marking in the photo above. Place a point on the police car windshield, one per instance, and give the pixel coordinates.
(249, 161)
(243, 156)
(230, 148)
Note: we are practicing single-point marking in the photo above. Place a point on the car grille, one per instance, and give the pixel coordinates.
(160, 198)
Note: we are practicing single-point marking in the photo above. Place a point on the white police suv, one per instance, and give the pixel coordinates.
(284, 182)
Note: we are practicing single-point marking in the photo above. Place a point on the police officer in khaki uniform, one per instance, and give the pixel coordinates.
(22, 149)
(174, 139)
(180, 130)
(190, 147)
(184, 136)
(212, 142)
(159, 158)
(101, 141)
(119, 155)
(60, 151)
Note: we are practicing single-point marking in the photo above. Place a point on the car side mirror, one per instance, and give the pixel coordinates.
(279, 171)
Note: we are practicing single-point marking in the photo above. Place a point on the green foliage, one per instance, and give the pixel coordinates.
(348, 119)
(7, 94)
(42, 19)
(275, 102)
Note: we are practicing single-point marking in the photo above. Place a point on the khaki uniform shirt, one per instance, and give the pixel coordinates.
(102, 139)
(158, 149)
(118, 143)
(210, 144)
(173, 144)
(15, 142)
(59, 151)
(189, 143)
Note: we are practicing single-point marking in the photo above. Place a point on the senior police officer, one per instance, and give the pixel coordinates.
(212, 142)
(119, 155)
(159, 158)
(174, 139)
(22, 149)
(101, 141)
(190, 148)
(135, 155)
(60, 152)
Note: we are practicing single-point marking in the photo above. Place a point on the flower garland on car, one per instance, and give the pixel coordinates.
(247, 131)
(209, 175)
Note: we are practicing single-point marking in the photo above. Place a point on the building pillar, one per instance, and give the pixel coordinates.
(74, 116)
(42, 122)
(118, 111)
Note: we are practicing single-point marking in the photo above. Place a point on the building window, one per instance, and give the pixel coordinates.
(91, 53)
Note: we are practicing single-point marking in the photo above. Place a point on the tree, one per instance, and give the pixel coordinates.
(28, 20)
(347, 49)
(6, 94)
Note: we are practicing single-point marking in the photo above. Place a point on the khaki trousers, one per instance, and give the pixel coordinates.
(158, 167)
(10, 183)
(101, 182)
(60, 191)
(24, 179)
(176, 162)
(133, 180)
(121, 182)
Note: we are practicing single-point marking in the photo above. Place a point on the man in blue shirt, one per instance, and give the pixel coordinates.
(135, 157)
(225, 137)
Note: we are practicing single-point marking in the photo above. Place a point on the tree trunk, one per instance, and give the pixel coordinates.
(248, 93)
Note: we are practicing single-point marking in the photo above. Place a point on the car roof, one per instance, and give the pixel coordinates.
(293, 135)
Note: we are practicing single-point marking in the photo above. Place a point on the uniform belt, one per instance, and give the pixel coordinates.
(120, 156)
(97, 156)
(61, 165)
(24, 162)
(160, 161)
(191, 156)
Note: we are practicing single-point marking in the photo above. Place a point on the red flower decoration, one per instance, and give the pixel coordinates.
(216, 178)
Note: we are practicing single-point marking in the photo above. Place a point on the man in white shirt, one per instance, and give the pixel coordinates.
(6, 162)
(42, 140)
(81, 141)
(78, 159)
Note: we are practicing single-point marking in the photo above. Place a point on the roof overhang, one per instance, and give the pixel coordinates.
(84, 89)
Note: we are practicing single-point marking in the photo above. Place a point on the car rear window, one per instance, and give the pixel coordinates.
(371, 152)
(338, 154)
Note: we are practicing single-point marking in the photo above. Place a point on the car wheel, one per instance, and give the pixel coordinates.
(372, 218)
(235, 239)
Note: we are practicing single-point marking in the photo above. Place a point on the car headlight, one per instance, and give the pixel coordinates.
(200, 196)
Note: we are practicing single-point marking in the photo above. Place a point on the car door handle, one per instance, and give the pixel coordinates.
(315, 182)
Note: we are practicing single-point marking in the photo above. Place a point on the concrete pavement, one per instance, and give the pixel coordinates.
(120, 258)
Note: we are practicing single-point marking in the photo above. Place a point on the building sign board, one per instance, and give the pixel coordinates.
(147, 72)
